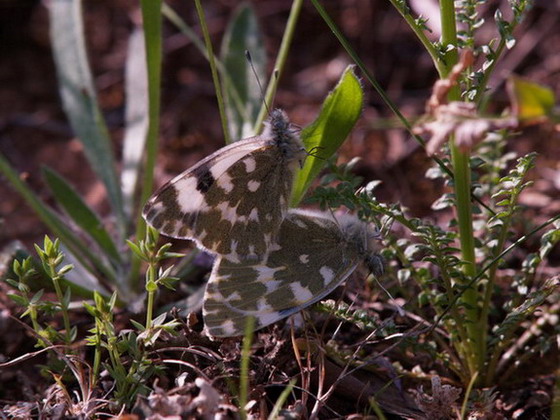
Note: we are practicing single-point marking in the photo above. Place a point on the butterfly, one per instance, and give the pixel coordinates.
(233, 202)
(314, 253)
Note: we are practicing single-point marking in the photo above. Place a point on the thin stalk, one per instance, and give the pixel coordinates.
(213, 69)
(97, 354)
(151, 15)
(467, 395)
(462, 185)
(35, 322)
(280, 61)
(170, 14)
(419, 32)
(63, 304)
(275, 413)
(151, 279)
(244, 370)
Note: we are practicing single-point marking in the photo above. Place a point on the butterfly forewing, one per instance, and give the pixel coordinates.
(233, 202)
(312, 257)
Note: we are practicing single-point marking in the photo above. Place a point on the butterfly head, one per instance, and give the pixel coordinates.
(363, 237)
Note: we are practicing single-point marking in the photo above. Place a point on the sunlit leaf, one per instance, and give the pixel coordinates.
(339, 113)
(530, 102)
(136, 117)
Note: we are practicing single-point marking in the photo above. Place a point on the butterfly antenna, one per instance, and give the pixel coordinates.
(250, 61)
(398, 307)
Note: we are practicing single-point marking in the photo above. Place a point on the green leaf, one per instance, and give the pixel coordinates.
(79, 99)
(66, 298)
(242, 94)
(136, 249)
(37, 296)
(339, 113)
(531, 102)
(152, 20)
(136, 117)
(20, 300)
(138, 326)
(80, 212)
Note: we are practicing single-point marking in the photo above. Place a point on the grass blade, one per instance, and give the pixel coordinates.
(281, 59)
(80, 212)
(341, 109)
(79, 98)
(243, 34)
(151, 17)
(86, 257)
(137, 119)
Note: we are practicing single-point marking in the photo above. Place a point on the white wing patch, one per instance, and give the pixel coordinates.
(226, 183)
(302, 294)
(327, 273)
(189, 198)
(304, 258)
(250, 164)
(253, 185)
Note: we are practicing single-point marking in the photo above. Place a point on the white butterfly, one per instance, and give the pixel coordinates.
(233, 202)
(313, 255)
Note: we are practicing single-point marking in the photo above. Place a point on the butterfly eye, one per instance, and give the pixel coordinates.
(376, 264)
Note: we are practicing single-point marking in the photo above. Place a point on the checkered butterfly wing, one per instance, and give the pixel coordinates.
(233, 202)
(314, 255)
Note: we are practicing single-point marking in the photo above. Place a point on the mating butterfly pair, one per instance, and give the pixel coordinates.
(271, 261)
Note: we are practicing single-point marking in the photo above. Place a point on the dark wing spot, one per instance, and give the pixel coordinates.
(204, 179)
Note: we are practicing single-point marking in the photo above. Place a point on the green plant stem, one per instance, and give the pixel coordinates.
(275, 413)
(462, 185)
(467, 395)
(35, 319)
(63, 306)
(97, 354)
(213, 69)
(419, 32)
(151, 278)
(244, 369)
(280, 61)
(151, 15)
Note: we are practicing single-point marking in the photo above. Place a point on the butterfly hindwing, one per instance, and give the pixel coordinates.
(233, 202)
(312, 257)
